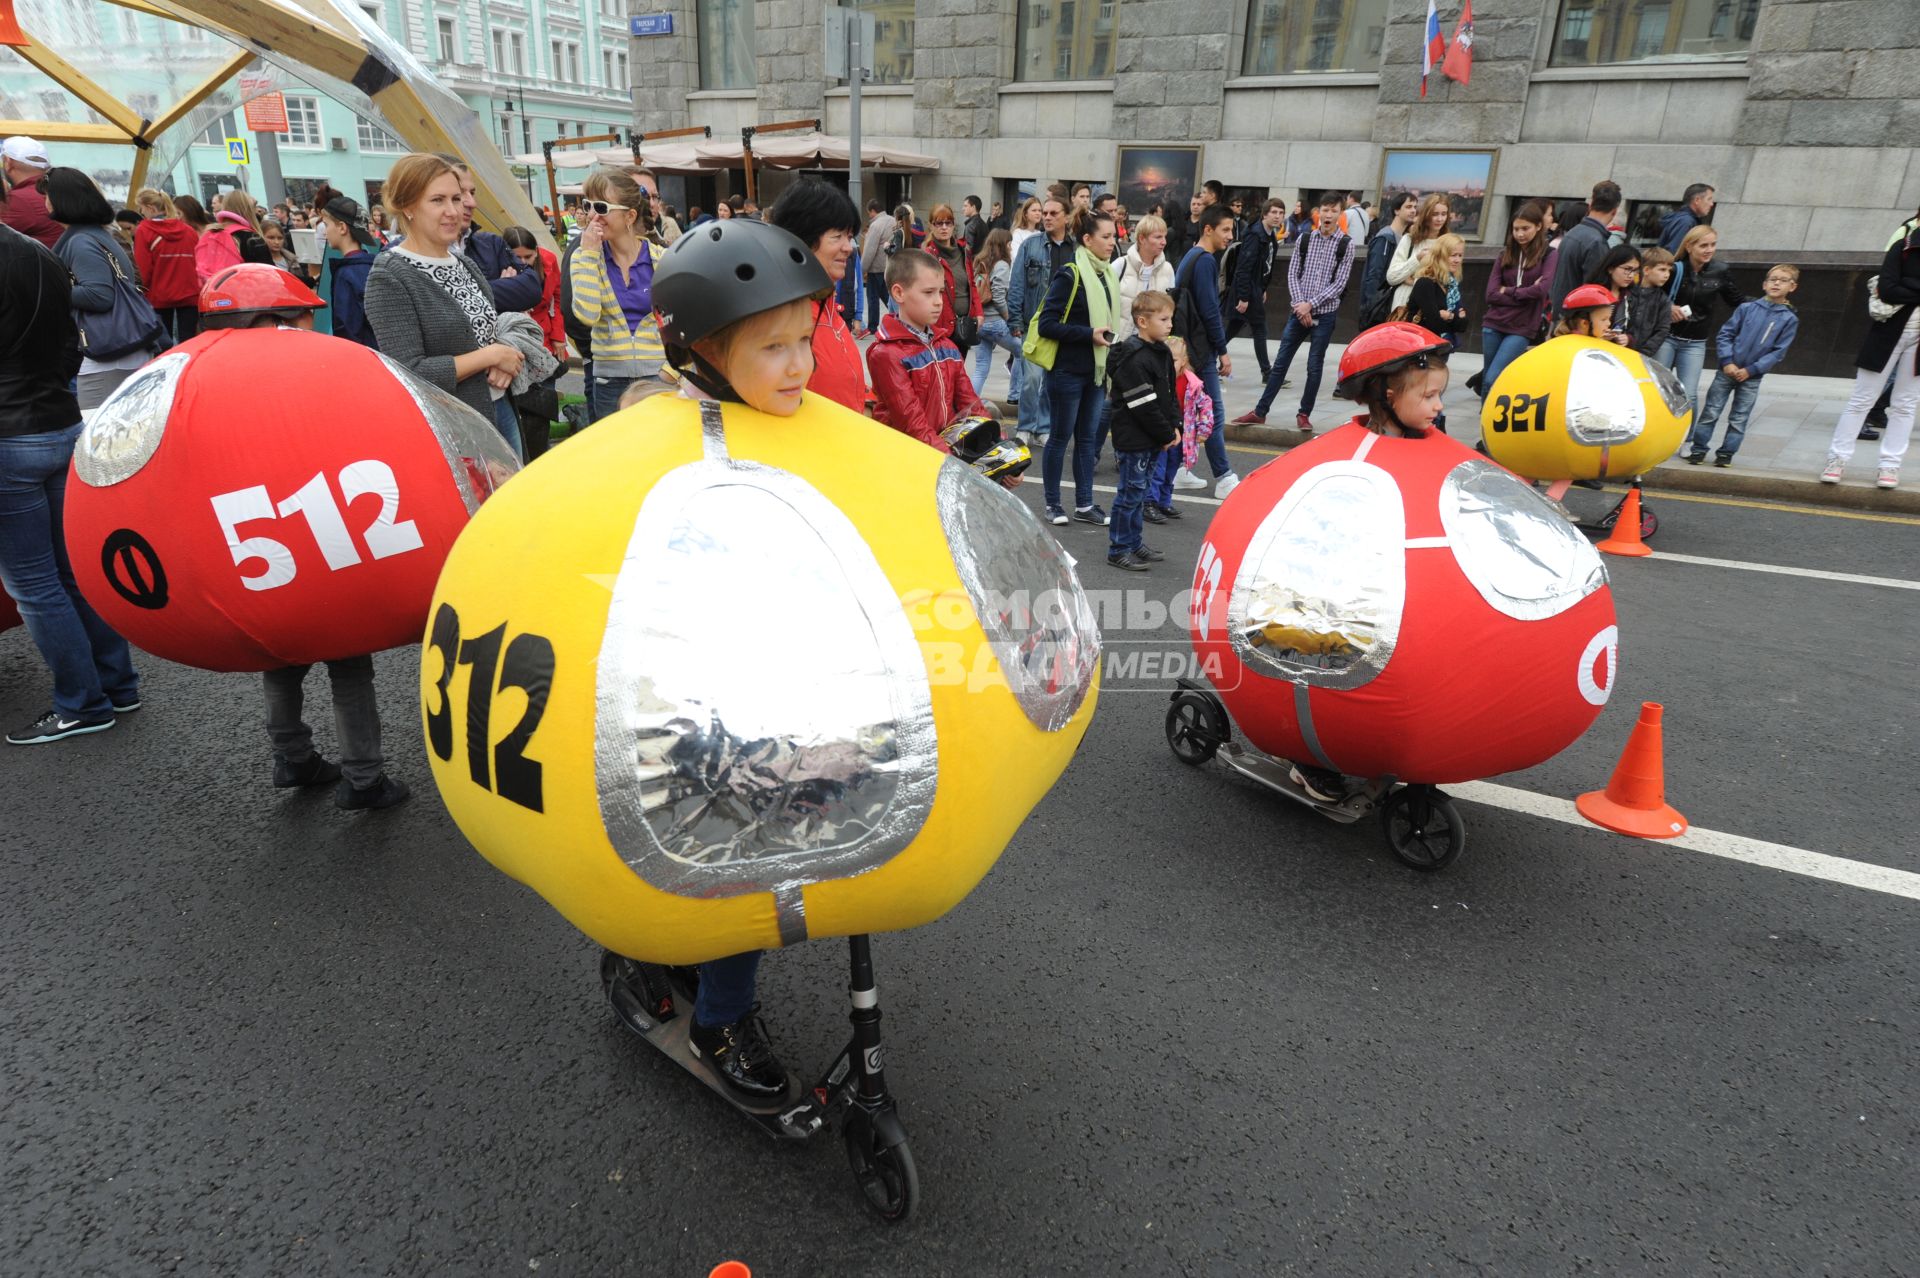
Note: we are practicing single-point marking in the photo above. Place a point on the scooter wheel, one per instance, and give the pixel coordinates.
(1423, 827)
(1196, 727)
(885, 1173)
(1649, 523)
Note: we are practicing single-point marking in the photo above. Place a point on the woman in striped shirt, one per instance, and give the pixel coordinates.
(611, 271)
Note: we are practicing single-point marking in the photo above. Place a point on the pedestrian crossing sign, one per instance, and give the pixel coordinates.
(237, 151)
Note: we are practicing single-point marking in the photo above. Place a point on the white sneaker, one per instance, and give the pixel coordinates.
(1836, 467)
(1187, 479)
(1889, 477)
(1225, 484)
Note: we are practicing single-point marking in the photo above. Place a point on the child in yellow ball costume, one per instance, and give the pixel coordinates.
(798, 675)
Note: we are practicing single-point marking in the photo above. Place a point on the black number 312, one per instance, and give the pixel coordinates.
(527, 665)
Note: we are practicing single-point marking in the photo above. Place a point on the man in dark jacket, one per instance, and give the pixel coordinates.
(1696, 209)
(1386, 238)
(1582, 247)
(1252, 273)
(1146, 421)
(514, 287)
(976, 226)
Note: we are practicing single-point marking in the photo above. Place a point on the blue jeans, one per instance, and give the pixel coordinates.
(1743, 393)
(91, 666)
(603, 396)
(1686, 357)
(507, 421)
(1123, 534)
(1498, 350)
(876, 297)
(726, 989)
(1160, 480)
(1291, 336)
(995, 335)
(1076, 402)
(1034, 404)
(1216, 444)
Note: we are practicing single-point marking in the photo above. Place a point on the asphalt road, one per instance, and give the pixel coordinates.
(1184, 1027)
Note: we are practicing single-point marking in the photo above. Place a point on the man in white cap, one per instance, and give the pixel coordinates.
(25, 162)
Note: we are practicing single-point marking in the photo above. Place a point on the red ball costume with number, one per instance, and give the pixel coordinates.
(1401, 607)
(257, 498)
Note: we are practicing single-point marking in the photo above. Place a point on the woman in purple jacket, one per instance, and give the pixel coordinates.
(1517, 289)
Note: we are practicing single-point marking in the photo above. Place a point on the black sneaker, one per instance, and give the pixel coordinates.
(1127, 561)
(128, 706)
(312, 770)
(1694, 459)
(1148, 553)
(1090, 515)
(1151, 513)
(1724, 459)
(54, 726)
(1869, 431)
(1169, 512)
(1322, 784)
(740, 1055)
(1056, 516)
(384, 793)
(1593, 484)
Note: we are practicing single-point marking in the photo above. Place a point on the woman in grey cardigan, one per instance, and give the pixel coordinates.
(429, 306)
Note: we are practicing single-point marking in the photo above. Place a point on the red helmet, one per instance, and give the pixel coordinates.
(1386, 348)
(1589, 295)
(253, 287)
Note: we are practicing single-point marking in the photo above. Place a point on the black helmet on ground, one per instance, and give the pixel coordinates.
(720, 274)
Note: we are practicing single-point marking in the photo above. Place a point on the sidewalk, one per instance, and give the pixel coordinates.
(1781, 458)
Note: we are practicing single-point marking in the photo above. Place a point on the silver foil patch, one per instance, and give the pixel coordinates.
(763, 716)
(1672, 392)
(1024, 592)
(1323, 583)
(476, 454)
(1604, 404)
(1520, 553)
(124, 432)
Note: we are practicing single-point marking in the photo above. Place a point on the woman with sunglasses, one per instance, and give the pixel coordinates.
(960, 308)
(610, 272)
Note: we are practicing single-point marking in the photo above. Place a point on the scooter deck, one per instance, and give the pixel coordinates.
(1275, 775)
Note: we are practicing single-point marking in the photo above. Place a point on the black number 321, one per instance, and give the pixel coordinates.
(1510, 412)
(527, 665)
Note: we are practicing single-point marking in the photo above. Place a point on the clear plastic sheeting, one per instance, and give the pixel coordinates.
(1604, 403)
(1323, 585)
(1520, 553)
(476, 452)
(124, 433)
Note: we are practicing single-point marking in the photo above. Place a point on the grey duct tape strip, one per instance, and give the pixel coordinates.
(713, 432)
(1303, 707)
(1606, 456)
(790, 910)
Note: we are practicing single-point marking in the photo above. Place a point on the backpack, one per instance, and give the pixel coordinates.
(1229, 267)
(1188, 324)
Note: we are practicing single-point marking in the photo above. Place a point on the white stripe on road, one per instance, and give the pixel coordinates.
(1892, 583)
(1734, 847)
(1177, 495)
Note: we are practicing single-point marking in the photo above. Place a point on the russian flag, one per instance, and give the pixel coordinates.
(1435, 51)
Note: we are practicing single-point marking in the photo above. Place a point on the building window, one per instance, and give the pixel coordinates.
(1598, 32)
(194, 35)
(726, 44)
(447, 47)
(303, 120)
(573, 63)
(606, 68)
(1067, 40)
(1288, 36)
(620, 70)
(53, 105)
(374, 138)
(526, 133)
(892, 39)
(219, 131)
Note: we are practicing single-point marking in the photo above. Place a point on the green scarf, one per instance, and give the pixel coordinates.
(1098, 286)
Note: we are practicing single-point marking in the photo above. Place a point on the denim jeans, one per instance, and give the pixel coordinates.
(1743, 394)
(726, 989)
(996, 336)
(876, 297)
(1497, 350)
(506, 419)
(1034, 403)
(1076, 402)
(1254, 319)
(1291, 336)
(1217, 442)
(356, 717)
(1686, 357)
(91, 666)
(1160, 479)
(1123, 534)
(603, 396)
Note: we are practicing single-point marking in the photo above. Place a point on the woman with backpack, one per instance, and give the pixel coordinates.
(163, 249)
(234, 237)
(1517, 286)
(993, 270)
(119, 330)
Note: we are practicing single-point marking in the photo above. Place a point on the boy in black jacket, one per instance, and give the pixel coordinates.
(1146, 422)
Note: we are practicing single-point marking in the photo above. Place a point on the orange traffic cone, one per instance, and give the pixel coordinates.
(1635, 800)
(1625, 537)
(731, 1269)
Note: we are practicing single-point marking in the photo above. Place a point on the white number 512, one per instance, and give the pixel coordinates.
(314, 501)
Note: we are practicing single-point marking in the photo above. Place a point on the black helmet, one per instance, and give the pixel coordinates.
(719, 274)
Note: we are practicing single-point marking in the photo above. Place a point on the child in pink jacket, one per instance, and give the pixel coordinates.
(1175, 469)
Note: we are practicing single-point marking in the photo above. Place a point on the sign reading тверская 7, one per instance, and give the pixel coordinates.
(650, 24)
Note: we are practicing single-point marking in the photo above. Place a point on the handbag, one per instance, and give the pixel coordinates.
(1044, 350)
(1878, 311)
(966, 332)
(129, 325)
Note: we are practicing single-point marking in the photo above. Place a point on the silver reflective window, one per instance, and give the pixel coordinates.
(763, 715)
(1024, 592)
(1604, 404)
(475, 451)
(1673, 392)
(1520, 553)
(125, 431)
(1323, 584)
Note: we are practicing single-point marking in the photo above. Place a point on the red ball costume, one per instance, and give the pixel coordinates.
(1401, 607)
(257, 498)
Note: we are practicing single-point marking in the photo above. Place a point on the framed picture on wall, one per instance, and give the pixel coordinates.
(1465, 176)
(1148, 175)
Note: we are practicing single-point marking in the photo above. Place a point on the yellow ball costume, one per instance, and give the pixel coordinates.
(711, 680)
(1580, 408)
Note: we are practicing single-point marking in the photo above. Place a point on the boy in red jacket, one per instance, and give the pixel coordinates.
(920, 380)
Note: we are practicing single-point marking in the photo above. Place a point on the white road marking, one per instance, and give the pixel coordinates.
(1734, 847)
(1177, 495)
(1892, 583)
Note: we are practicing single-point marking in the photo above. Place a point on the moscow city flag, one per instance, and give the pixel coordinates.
(1435, 50)
(1459, 63)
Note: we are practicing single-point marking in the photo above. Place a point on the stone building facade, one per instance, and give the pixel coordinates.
(1807, 134)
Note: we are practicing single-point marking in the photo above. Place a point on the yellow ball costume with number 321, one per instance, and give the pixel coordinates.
(1580, 408)
(711, 680)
